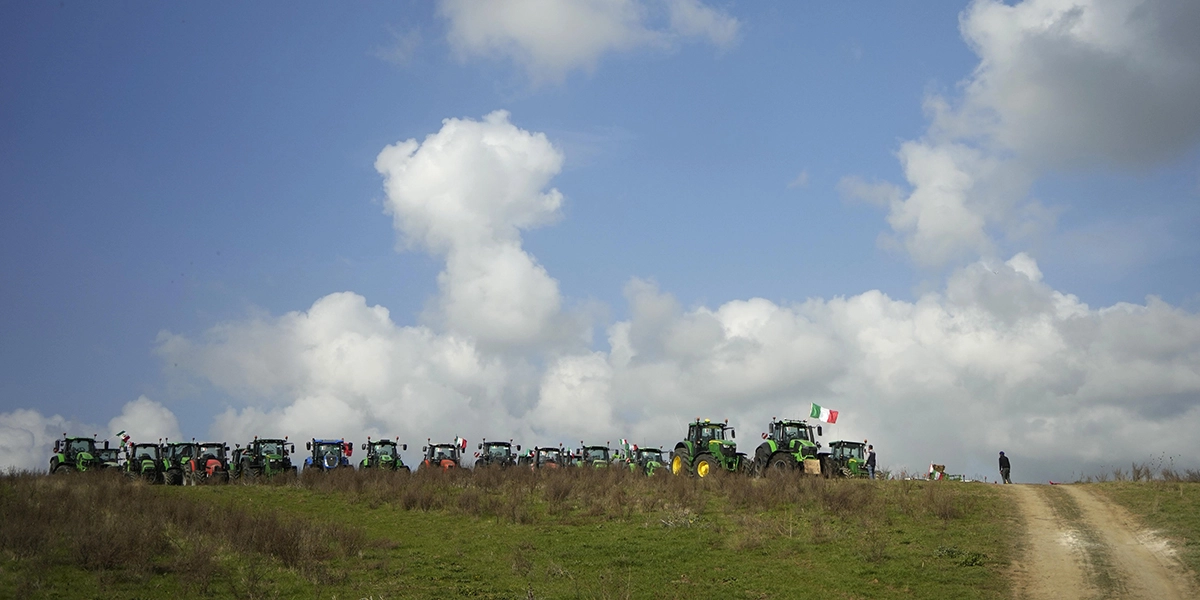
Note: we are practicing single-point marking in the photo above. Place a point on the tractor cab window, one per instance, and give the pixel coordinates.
(270, 448)
(334, 450)
(712, 432)
(213, 451)
(107, 454)
(794, 432)
(499, 451)
(848, 452)
(651, 456)
(146, 453)
(596, 454)
(75, 446)
(443, 453)
(385, 450)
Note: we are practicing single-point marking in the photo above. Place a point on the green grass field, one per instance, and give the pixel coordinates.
(571, 534)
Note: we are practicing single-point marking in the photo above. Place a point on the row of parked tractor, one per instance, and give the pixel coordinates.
(709, 447)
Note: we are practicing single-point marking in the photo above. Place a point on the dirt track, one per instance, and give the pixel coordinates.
(1080, 545)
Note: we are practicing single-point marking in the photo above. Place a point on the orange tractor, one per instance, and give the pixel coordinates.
(443, 456)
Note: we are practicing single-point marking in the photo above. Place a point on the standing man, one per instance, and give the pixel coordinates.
(870, 461)
(1005, 468)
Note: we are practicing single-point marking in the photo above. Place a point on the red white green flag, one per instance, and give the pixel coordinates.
(823, 414)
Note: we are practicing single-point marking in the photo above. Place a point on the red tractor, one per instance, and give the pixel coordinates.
(443, 456)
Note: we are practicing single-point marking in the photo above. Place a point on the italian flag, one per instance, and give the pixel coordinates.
(823, 414)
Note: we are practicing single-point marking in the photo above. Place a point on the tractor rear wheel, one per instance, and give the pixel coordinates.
(62, 469)
(173, 477)
(782, 462)
(706, 466)
(678, 464)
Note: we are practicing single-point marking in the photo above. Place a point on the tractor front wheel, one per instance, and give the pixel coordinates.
(173, 477)
(678, 464)
(706, 466)
(782, 462)
(62, 469)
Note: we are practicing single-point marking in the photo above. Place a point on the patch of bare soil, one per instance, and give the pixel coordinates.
(1052, 562)
(1079, 545)
(1147, 563)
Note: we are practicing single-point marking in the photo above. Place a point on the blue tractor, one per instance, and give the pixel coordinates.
(328, 454)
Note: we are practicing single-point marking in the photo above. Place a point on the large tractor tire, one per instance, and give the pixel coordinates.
(706, 466)
(62, 469)
(782, 462)
(679, 464)
(173, 477)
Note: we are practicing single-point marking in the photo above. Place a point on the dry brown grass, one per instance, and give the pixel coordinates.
(104, 522)
(520, 495)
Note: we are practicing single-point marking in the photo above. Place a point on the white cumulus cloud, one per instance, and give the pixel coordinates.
(549, 38)
(1082, 81)
(145, 420)
(27, 436)
(466, 193)
(1059, 84)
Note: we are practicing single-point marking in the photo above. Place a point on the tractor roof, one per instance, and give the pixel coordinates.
(792, 421)
(710, 422)
(272, 440)
(847, 443)
(319, 441)
(497, 443)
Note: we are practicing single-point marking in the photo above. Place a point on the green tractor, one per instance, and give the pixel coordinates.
(646, 460)
(177, 463)
(709, 447)
(74, 454)
(144, 461)
(790, 445)
(382, 454)
(496, 454)
(591, 456)
(845, 459)
(265, 457)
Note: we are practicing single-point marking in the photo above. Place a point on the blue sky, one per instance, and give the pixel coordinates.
(182, 172)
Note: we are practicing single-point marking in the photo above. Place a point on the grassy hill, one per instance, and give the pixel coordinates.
(578, 533)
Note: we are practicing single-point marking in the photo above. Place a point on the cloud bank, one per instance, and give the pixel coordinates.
(994, 359)
(27, 437)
